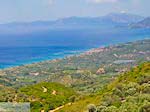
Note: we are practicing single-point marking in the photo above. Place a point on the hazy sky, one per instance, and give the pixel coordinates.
(31, 10)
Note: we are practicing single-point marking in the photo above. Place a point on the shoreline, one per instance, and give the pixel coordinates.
(80, 53)
(44, 60)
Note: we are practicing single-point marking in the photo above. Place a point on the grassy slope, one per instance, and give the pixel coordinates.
(44, 95)
(53, 96)
(130, 92)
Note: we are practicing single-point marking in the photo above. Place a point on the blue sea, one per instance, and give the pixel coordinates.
(16, 50)
(15, 56)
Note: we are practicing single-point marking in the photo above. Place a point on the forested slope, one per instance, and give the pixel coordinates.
(130, 92)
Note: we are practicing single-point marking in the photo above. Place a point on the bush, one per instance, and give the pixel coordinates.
(92, 108)
(72, 98)
(110, 109)
(100, 108)
(130, 91)
(128, 107)
(118, 92)
(145, 108)
(145, 88)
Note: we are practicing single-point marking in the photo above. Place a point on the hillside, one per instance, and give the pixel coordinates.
(85, 72)
(142, 24)
(42, 96)
(76, 81)
(130, 92)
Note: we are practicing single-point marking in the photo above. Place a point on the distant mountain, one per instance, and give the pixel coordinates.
(77, 21)
(110, 20)
(142, 24)
(123, 18)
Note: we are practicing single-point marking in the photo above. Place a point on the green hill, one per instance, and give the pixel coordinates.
(43, 96)
(46, 95)
(130, 92)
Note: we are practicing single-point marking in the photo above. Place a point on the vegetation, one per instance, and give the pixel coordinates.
(130, 92)
(43, 96)
(82, 72)
(90, 81)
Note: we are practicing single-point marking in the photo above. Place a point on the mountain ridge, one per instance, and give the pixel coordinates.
(112, 20)
(145, 23)
(125, 18)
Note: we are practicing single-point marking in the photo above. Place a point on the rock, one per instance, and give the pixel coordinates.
(42, 111)
(35, 74)
(53, 92)
(101, 71)
(44, 89)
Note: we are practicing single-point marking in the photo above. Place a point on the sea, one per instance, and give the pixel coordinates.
(17, 51)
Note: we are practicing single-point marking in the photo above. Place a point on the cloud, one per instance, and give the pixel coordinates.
(48, 2)
(103, 1)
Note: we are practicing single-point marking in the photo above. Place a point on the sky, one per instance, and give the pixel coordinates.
(33, 10)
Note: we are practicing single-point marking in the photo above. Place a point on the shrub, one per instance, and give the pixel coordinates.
(145, 108)
(145, 88)
(92, 108)
(100, 108)
(118, 92)
(130, 91)
(110, 109)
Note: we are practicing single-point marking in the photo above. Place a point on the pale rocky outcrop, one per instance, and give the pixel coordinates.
(44, 89)
(101, 71)
(54, 92)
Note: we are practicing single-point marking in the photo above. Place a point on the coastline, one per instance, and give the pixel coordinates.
(43, 60)
(76, 53)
